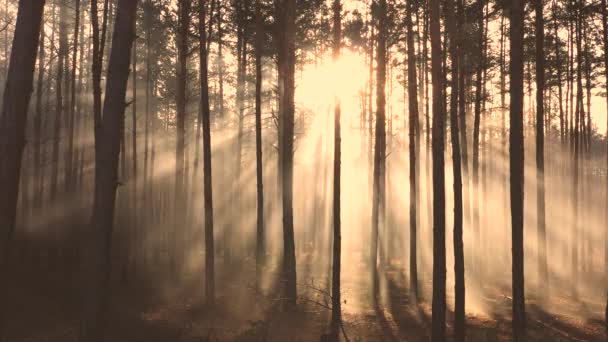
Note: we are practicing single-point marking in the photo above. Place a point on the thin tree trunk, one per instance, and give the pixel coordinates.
(38, 125)
(69, 158)
(13, 120)
(380, 145)
(439, 255)
(336, 311)
(413, 132)
(59, 105)
(540, 146)
(286, 58)
(207, 175)
(516, 150)
(459, 267)
(260, 234)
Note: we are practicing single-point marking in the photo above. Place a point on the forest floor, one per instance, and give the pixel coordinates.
(43, 306)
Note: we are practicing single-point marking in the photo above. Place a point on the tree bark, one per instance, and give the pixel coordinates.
(516, 166)
(540, 145)
(207, 174)
(99, 234)
(336, 308)
(59, 105)
(286, 12)
(413, 142)
(380, 145)
(459, 267)
(13, 120)
(260, 234)
(439, 257)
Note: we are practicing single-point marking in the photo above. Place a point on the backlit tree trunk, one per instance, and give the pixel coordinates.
(516, 166)
(439, 257)
(99, 233)
(13, 119)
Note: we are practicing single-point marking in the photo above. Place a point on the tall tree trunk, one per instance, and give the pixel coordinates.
(516, 165)
(336, 311)
(459, 267)
(69, 158)
(59, 105)
(579, 114)
(380, 144)
(38, 125)
(13, 120)
(260, 234)
(413, 133)
(476, 127)
(207, 175)
(540, 145)
(287, 58)
(559, 75)
(180, 148)
(439, 257)
(99, 234)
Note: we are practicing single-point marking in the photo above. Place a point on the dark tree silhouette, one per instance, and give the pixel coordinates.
(336, 307)
(260, 235)
(99, 232)
(459, 309)
(516, 166)
(286, 15)
(380, 144)
(207, 180)
(439, 257)
(414, 128)
(13, 119)
(540, 144)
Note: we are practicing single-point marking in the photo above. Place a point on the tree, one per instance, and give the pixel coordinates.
(59, 103)
(69, 157)
(414, 132)
(439, 258)
(260, 235)
(336, 311)
(516, 167)
(459, 307)
(286, 13)
(540, 144)
(380, 144)
(183, 29)
(13, 119)
(207, 180)
(99, 235)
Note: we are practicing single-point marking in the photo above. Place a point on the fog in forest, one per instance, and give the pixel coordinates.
(144, 274)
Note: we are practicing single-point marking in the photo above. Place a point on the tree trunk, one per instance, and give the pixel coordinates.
(99, 234)
(13, 119)
(459, 267)
(260, 234)
(516, 166)
(413, 133)
(287, 58)
(207, 175)
(439, 257)
(59, 105)
(380, 145)
(180, 148)
(336, 311)
(38, 125)
(540, 146)
(69, 158)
